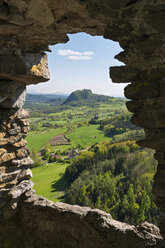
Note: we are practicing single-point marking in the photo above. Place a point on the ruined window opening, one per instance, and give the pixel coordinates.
(70, 64)
(68, 54)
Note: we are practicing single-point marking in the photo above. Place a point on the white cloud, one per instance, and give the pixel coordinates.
(79, 57)
(68, 52)
(74, 55)
(88, 53)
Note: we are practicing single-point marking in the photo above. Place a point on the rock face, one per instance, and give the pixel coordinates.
(27, 29)
(41, 223)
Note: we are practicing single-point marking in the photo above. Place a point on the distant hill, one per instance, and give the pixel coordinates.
(44, 97)
(41, 103)
(83, 97)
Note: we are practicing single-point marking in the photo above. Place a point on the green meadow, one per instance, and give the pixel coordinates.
(49, 182)
(38, 140)
(86, 136)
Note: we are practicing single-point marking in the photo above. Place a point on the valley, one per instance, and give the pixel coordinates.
(84, 153)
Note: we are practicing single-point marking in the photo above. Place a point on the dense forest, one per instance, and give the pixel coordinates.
(120, 128)
(38, 105)
(116, 178)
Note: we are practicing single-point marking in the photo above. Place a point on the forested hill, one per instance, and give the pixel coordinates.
(83, 97)
(44, 97)
(43, 103)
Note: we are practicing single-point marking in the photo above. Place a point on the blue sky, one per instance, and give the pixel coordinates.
(81, 63)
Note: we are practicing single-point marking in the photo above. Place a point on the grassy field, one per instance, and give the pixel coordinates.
(86, 136)
(48, 179)
(37, 141)
(49, 182)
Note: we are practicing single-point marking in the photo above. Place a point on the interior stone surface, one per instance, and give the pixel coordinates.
(27, 28)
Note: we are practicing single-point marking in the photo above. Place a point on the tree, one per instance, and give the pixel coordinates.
(37, 160)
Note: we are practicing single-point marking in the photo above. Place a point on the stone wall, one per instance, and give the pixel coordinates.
(27, 28)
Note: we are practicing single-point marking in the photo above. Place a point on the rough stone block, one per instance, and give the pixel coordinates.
(142, 90)
(25, 174)
(16, 99)
(124, 74)
(21, 188)
(7, 157)
(21, 143)
(15, 131)
(30, 67)
(2, 151)
(26, 162)
(22, 153)
(157, 144)
(40, 13)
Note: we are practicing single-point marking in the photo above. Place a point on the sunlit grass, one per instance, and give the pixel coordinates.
(37, 141)
(86, 136)
(49, 181)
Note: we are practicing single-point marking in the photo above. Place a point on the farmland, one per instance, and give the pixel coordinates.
(86, 136)
(62, 130)
(37, 140)
(74, 122)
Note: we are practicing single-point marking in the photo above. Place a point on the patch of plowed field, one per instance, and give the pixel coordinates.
(58, 140)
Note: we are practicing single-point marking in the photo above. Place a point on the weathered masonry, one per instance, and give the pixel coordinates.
(27, 28)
